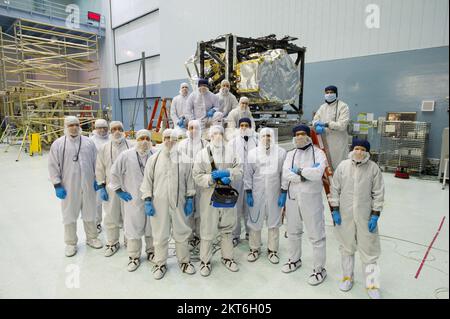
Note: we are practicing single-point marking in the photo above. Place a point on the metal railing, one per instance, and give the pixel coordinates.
(51, 10)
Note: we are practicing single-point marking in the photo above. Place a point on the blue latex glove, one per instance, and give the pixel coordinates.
(320, 129)
(149, 209)
(124, 196)
(250, 199)
(210, 112)
(218, 174)
(225, 180)
(96, 187)
(336, 217)
(189, 206)
(373, 223)
(104, 194)
(320, 123)
(60, 192)
(295, 170)
(181, 123)
(282, 199)
(316, 165)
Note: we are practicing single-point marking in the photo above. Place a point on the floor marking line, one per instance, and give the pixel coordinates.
(429, 248)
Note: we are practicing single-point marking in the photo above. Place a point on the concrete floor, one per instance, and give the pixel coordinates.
(33, 265)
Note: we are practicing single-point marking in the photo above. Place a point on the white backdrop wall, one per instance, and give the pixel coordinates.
(125, 10)
(330, 29)
(139, 35)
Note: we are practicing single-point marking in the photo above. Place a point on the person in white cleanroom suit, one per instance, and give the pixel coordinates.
(241, 144)
(168, 191)
(303, 169)
(178, 108)
(357, 198)
(127, 174)
(100, 133)
(113, 206)
(215, 219)
(99, 137)
(71, 166)
(203, 105)
(188, 149)
(332, 119)
(227, 100)
(262, 184)
(243, 110)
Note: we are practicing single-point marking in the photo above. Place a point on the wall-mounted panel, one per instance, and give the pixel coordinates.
(140, 35)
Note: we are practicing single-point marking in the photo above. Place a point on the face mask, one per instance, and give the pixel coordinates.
(184, 91)
(330, 97)
(118, 136)
(265, 140)
(217, 140)
(102, 132)
(244, 132)
(169, 144)
(358, 155)
(225, 90)
(143, 146)
(301, 141)
(74, 131)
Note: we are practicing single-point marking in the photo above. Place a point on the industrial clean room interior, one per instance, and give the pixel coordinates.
(389, 59)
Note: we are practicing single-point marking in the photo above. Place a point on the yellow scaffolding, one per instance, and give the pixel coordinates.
(47, 73)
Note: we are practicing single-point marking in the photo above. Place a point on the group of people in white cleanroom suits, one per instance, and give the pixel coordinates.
(163, 192)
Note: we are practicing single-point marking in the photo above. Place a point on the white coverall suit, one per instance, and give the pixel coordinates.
(236, 114)
(99, 141)
(227, 102)
(188, 149)
(127, 174)
(304, 203)
(337, 116)
(168, 182)
(242, 148)
(199, 104)
(357, 190)
(178, 109)
(263, 177)
(77, 178)
(215, 219)
(114, 207)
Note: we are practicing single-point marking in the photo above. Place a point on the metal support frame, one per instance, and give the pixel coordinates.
(235, 49)
(39, 65)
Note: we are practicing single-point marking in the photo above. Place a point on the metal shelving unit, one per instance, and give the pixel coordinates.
(404, 144)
